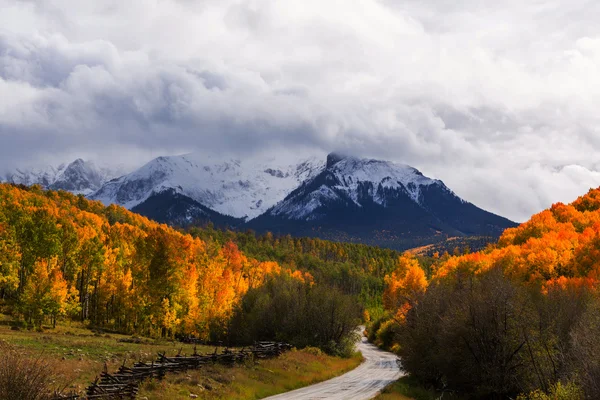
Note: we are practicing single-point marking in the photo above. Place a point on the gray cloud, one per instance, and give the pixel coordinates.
(496, 98)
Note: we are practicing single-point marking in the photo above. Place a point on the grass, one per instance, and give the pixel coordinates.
(407, 388)
(294, 369)
(77, 355)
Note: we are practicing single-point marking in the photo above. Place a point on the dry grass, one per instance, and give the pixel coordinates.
(24, 378)
(78, 355)
(406, 388)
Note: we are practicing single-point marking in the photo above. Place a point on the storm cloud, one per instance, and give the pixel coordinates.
(497, 99)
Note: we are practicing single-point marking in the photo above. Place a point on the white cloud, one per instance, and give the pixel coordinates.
(498, 99)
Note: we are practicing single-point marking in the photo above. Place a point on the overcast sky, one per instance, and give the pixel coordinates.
(499, 99)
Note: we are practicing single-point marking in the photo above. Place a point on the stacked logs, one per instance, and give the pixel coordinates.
(125, 382)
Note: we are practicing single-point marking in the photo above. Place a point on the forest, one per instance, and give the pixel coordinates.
(65, 257)
(520, 318)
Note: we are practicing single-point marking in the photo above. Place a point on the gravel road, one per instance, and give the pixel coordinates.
(379, 369)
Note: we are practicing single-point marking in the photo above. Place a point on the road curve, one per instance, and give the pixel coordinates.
(379, 369)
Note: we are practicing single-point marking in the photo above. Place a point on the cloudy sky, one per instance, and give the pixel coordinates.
(497, 98)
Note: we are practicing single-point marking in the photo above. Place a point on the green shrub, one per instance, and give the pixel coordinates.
(568, 391)
(386, 334)
(299, 313)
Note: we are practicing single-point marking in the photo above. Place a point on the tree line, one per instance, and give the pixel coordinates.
(354, 269)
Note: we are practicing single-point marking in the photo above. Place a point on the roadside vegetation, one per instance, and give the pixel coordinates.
(520, 319)
(69, 357)
(408, 388)
(302, 314)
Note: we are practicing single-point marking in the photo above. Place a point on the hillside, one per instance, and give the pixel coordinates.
(520, 317)
(62, 255)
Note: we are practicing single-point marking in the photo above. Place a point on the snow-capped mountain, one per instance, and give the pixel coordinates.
(80, 177)
(41, 176)
(237, 188)
(338, 197)
(377, 202)
(357, 181)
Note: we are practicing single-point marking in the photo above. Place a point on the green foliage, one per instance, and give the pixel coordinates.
(385, 336)
(559, 391)
(297, 312)
(355, 269)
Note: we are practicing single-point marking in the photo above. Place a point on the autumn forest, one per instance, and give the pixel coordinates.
(518, 318)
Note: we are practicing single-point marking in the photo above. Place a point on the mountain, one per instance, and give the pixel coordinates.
(241, 189)
(377, 202)
(173, 208)
(80, 177)
(339, 197)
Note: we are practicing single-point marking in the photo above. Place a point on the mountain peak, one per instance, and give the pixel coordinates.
(79, 176)
(79, 161)
(335, 157)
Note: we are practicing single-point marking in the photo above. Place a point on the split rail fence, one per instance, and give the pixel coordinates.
(124, 384)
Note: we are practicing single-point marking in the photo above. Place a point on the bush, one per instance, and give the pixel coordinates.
(477, 334)
(299, 313)
(585, 351)
(373, 327)
(569, 391)
(386, 335)
(345, 347)
(23, 378)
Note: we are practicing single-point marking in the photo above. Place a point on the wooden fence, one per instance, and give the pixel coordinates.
(124, 384)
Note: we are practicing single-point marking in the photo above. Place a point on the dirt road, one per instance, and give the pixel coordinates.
(379, 369)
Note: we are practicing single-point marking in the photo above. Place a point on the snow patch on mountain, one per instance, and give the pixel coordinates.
(356, 180)
(79, 177)
(352, 172)
(304, 207)
(239, 188)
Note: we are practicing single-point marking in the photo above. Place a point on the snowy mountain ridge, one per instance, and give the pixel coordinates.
(79, 177)
(237, 188)
(360, 180)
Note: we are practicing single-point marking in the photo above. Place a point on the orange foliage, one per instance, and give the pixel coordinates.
(555, 246)
(403, 286)
(557, 249)
(63, 254)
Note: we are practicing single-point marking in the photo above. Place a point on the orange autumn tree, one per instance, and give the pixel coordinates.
(517, 317)
(403, 286)
(561, 242)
